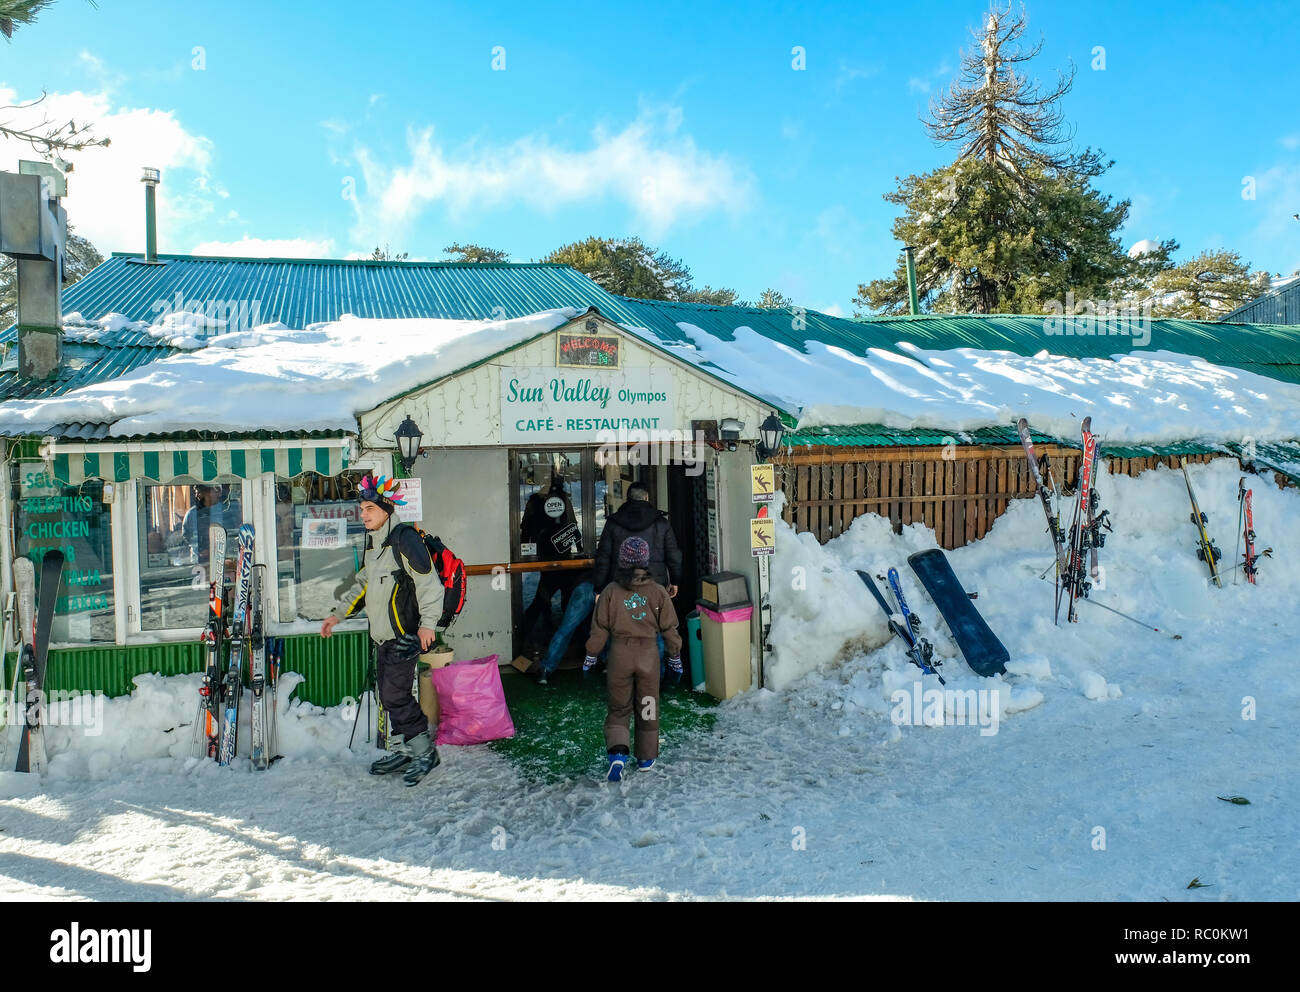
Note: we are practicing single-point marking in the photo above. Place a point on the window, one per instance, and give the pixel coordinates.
(320, 543)
(174, 529)
(76, 521)
(550, 505)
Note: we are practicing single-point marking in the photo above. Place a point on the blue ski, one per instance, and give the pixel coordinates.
(919, 651)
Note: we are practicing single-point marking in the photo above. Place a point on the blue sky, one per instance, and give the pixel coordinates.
(304, 129)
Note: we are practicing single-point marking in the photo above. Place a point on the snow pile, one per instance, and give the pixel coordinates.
(94, 737)
(321, 376)
(1148, 397)
(78, 329)
(1150, 571)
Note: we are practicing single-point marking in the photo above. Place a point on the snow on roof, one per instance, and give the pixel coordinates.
(1154, 397)
(272, 377)
(321, 377)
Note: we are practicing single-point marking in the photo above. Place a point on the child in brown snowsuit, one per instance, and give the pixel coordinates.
(634, 610)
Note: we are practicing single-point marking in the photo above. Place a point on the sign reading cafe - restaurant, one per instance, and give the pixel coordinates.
(540, 406)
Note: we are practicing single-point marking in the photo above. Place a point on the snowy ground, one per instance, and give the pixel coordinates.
(806, 791)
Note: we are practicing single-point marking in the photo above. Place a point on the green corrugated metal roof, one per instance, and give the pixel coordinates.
(880, 436)
(83, 365)
(297, 292)
(1269, 349)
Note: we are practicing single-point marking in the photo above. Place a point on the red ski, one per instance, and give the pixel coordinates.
(1086, 534)
(1251, 557)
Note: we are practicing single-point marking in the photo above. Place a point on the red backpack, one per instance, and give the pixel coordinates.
(449, 569)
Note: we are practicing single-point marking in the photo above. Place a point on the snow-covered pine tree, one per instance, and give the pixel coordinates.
(1014, 223)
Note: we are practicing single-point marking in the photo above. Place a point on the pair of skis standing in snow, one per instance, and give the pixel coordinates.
(1208, 552)
(27, 696)
(222, 688)
(1088, 530)
(1076, 550)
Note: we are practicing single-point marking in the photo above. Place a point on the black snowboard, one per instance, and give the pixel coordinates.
(979, 645)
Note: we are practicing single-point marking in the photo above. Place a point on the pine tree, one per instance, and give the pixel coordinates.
(997, 113)
(720, 297)
(475, 253)
(16, 13)
(1014, 222)
(627, 267)
(79, 257)
(774, 300)
(386, 254)
(1206, 287)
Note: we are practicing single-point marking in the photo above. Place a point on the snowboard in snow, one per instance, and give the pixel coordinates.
(981, 648)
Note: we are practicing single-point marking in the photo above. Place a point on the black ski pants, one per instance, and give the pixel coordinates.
(395, 678)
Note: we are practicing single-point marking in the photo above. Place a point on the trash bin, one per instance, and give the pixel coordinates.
(695, 650)
(725, 613)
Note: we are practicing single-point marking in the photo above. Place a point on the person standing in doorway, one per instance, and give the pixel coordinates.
(638, 518)
(403, 614)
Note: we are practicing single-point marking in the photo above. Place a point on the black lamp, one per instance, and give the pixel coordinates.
(770, 433)
(408, 439)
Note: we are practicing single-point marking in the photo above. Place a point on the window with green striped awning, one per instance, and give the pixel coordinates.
(198, 465)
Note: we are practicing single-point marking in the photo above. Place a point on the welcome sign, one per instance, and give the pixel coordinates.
(541, 406)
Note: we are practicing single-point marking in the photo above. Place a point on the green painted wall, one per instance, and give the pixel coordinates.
(333, 668)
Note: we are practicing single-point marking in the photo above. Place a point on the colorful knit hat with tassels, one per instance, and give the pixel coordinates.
(383, 492)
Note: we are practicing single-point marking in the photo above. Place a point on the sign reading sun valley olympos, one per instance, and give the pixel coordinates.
(540, 406)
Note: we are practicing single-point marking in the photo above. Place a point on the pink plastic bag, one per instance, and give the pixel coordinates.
(471, 702)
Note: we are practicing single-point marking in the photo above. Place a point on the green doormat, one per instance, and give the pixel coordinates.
(558, 730)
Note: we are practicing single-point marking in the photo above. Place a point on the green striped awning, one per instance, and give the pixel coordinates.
(200, 465)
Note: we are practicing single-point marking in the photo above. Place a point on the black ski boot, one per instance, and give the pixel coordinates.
(423, 758)
(396, 759)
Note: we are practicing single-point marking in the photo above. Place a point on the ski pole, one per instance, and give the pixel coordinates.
(1241, 509)
(1140, 623)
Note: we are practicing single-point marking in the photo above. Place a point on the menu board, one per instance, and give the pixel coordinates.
(575, 350)
(74, 520)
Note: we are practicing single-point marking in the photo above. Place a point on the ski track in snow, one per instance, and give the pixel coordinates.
(1108, 726)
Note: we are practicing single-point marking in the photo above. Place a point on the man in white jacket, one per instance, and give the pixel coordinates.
(404, 602)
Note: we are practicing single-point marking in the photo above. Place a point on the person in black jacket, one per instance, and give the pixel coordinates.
(639, 518)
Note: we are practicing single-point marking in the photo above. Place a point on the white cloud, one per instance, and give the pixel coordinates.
(848, 73)
(918, 85)
(105, 201)
(833, 310)
(269, 247)
(1291, 141)
(661, 175)
(1278, 198)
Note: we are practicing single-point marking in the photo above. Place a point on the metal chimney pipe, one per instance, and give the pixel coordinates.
(151, 179)
(913, 307)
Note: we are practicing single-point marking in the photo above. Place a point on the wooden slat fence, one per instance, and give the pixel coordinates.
(956, 492)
